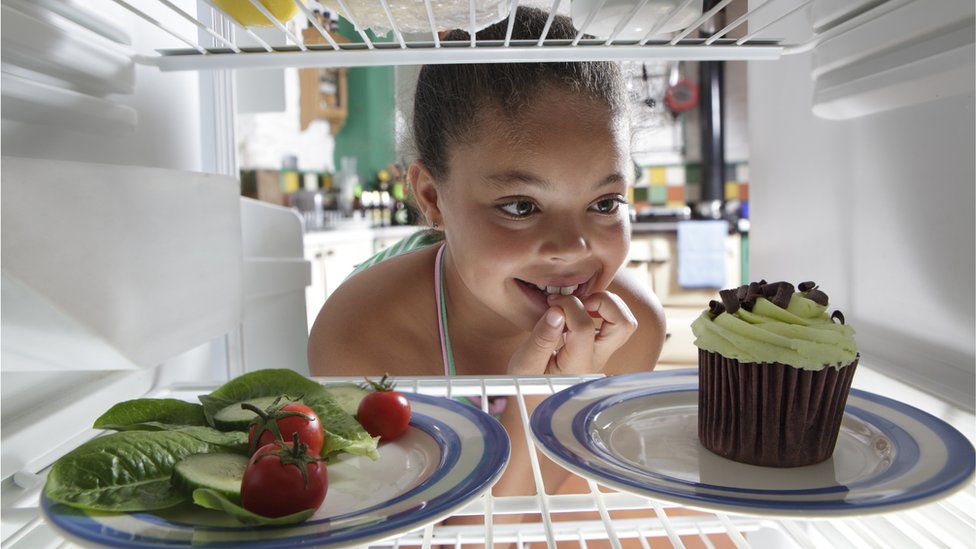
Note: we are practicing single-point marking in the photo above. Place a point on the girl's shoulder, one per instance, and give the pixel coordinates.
(380, 320)
(642, 350)
(636, 293)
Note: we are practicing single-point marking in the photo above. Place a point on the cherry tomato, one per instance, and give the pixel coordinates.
(283, 478)
(287, 419)
(384, 413)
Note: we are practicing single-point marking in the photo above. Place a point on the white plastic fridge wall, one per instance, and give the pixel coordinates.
(949, 523)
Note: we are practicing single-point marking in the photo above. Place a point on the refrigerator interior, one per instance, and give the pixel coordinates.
(127, 107)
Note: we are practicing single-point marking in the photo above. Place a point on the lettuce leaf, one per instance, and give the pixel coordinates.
(211, 499)
(260, 383)
(167, 414)
(342, 432)
(134, 414)
(124, 471)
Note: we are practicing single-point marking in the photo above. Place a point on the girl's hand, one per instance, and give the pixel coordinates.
(594, 329)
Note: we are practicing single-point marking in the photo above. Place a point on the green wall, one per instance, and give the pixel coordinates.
(368, 133)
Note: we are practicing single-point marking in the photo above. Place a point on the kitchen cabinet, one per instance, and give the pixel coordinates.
(335, 254)
(654, 257)
(324, 90)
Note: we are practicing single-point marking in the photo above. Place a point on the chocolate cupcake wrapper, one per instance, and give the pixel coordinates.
(770, 414)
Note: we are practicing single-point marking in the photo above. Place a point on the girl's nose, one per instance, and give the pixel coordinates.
(565, 241)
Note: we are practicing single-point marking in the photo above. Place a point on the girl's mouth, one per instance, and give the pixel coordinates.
(558, 290)
(539, 293)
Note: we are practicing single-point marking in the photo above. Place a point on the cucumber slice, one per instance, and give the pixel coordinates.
(235, 418)
(221, 472)
(347, 395)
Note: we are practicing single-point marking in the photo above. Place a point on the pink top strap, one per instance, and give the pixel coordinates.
(446, 354)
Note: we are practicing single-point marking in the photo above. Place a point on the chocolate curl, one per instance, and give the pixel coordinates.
(741, 292)
(837, 316)
(817, 296)
(715, 308)
(807, 286)
(754, 292)
(769, 290)
(729, 300)
(784, 291)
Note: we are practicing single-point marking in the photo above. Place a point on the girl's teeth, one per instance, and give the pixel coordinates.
(557, 290)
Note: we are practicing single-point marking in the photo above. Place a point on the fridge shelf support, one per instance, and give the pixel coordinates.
(423, 53)
(746, 37)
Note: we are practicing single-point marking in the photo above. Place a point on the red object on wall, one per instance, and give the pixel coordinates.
(682, 96)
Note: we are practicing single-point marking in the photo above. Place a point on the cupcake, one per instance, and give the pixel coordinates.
(775, 369)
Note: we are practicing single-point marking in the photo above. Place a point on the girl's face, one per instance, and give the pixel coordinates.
(537, 204)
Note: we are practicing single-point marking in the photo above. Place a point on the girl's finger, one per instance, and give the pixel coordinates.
(611, 309)
(533, 357)
(576, 356)
(619, 323)
(577, 318)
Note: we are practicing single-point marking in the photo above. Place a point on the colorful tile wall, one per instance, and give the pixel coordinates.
(675, 175)
(731, 190)
(675, 196)
(677, 185)
(658, 194)
(658, 176)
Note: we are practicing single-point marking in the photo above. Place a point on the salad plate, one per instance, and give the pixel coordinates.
(451, 455)
(638, 433)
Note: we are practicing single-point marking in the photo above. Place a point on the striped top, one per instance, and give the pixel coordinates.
(416, 241)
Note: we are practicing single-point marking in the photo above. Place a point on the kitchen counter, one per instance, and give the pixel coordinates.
(644, 227)
(651, 227)
(358, 231)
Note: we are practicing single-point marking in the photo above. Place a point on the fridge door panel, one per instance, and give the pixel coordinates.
(38, 335)
(45, 42)
(27, 100)
(76, 86)
(879, 213)
(919, 52)
(72, 401)
(147, 260)
(274, 330)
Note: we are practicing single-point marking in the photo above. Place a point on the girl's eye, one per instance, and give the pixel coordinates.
(519, 208)
(609, 204)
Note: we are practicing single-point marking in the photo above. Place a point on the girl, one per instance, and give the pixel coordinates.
(522, 177)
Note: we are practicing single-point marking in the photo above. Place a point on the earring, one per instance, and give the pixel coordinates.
(433, 225)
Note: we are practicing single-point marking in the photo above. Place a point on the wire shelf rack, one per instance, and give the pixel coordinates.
(597, 516)
(730, 30)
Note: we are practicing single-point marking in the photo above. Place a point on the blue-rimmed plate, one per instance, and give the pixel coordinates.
(638, 433)
(450, 456)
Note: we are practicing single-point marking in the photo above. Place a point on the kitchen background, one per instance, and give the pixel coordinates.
(332, 144)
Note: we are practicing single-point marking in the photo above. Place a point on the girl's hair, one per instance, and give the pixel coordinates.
(451, 100)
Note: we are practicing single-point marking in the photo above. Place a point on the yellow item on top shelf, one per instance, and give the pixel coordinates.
(246, 14)
(289, 181)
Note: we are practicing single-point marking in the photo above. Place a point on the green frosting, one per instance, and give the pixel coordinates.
(802, 335)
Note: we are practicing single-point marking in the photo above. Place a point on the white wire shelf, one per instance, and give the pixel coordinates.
(720, 33)
(616, 518)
